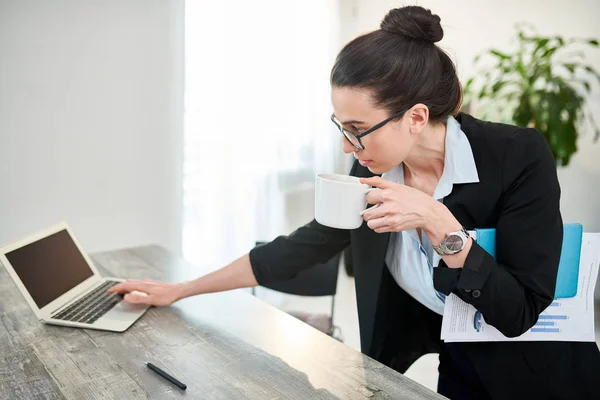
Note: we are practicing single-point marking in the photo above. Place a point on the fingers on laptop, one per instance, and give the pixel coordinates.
(136, 298)
(128, 286)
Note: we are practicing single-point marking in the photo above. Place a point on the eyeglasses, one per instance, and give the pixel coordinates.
(354, 138)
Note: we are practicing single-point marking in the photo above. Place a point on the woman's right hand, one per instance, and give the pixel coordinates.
(150, 292)
(236, 275)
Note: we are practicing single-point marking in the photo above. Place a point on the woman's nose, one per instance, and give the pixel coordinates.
(347, 147)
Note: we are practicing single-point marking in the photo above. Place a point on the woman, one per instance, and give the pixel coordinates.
(394, 93)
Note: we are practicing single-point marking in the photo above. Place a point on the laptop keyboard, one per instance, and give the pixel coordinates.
(91, 306)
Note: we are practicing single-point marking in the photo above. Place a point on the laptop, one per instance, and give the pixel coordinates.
(61, 284)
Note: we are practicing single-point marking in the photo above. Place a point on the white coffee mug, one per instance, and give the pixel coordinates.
(339, 200)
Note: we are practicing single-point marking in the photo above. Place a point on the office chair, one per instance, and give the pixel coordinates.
(319, 280)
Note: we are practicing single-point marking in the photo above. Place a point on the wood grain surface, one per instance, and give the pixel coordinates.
(223, 346)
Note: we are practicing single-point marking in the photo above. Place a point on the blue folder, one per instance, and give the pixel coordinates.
(568, 268)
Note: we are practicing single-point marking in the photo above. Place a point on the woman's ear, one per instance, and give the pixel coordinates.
(418, 116)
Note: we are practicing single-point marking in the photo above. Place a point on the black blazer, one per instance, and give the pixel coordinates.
(518, 194)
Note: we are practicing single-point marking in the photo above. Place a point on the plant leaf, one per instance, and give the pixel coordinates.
(570, 67)
(468, 84)
(593, 42)
(541, 43)
(549, 52)
(482, 92)
(520, 68)
(592, 71)
(497, 86)
(500, 55)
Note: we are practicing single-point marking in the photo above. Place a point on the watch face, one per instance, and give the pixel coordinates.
(454, 243)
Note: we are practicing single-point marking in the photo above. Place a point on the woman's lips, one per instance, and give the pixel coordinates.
(364, 163)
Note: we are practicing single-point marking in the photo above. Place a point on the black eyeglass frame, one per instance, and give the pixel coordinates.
(348, 135)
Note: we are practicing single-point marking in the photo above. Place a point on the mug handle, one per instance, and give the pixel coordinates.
(370, 208)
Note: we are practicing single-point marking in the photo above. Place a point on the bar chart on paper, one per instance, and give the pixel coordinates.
(549, 323)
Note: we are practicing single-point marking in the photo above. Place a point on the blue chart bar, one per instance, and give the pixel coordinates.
(545, 323)
(545, 316)
(548, 330)
(555, 304)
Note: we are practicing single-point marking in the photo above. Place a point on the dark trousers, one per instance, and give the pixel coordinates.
(457, 377)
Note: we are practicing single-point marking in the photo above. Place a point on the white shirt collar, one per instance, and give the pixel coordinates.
(459, 163)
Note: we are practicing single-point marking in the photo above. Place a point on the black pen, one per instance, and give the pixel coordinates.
(165, 375)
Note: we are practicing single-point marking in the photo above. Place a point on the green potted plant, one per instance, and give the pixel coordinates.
(542, 84)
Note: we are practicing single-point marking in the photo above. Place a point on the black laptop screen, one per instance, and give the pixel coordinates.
(50, 267)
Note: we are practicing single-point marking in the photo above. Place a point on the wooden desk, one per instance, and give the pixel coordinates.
(223, 346)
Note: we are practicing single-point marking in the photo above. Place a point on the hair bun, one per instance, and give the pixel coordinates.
(413, 22)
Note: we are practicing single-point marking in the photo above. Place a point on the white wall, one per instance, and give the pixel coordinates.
(91, 105)
(471, 26)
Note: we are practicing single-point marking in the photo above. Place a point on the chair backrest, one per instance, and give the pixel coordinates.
(319, 280)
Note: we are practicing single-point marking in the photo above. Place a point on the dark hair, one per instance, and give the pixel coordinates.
(402, 64)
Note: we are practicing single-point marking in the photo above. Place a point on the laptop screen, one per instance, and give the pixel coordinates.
(50, 267)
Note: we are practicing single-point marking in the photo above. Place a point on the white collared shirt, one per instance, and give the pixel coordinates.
(411, 262)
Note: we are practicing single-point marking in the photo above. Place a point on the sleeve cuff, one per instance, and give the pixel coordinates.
(256, 261)
(467, 281)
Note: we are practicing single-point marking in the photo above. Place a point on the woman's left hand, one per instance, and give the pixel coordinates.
(400, 207)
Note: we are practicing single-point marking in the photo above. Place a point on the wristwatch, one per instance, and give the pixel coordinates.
(453, 243)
